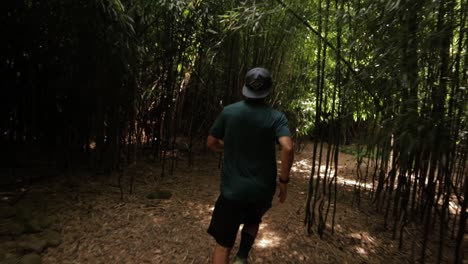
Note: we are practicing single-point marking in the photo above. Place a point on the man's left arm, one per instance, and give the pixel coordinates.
(216, 134)
(215, 144)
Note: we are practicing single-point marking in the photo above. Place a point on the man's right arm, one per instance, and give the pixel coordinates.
(287, 157)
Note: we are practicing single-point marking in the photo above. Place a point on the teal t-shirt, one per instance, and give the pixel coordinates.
(249, 131)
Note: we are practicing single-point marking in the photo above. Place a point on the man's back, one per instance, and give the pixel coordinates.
(249, 130)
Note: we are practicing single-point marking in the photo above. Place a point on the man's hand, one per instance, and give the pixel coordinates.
(283, 192)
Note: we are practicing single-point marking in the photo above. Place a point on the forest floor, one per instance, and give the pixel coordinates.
(98, 227)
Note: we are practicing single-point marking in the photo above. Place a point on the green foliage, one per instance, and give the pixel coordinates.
(302, 112)
(358, 151)
(355, 150)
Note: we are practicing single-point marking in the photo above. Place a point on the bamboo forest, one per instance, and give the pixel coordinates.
(106, 107)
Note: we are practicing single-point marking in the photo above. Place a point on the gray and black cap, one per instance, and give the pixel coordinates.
(257, 83)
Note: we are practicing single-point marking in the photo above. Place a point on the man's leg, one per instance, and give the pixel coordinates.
(220, 254)
(250, 229)
(248, 235)
(224, 226)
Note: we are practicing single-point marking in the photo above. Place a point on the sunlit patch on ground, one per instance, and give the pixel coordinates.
(304, 168)
(364, 237)
(366, 243)
(268, 240)
(157, 220)
(454, 206)
(301, 166)
(361, 251)
(351, 182)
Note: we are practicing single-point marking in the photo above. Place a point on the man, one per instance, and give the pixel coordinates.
(247, 132)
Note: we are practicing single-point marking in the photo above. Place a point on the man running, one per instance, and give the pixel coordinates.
(247, 132)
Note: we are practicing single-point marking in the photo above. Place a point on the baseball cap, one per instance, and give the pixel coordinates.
(257, 83)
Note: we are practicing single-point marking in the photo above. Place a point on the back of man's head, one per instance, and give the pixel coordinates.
(257, 84)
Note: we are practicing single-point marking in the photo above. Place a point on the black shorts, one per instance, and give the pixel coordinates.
(228, 215)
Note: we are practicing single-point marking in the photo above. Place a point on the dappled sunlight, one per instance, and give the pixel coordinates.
(361, 251)
(268, 239)
(454, 205)
(263, 226)
(268, 242)
(304, 168)
(301, 166)
(343, 181)
(157, 220)
(365, 243)
(365, 237)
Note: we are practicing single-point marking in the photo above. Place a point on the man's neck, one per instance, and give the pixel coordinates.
(255, 101)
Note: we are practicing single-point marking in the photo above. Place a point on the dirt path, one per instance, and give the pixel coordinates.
(97, 227)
